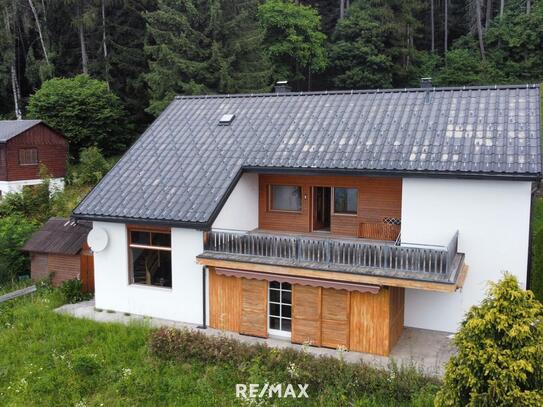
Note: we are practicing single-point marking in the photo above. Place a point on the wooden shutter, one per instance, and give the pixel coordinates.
(370, 321)
(335, 318)
(306, 314)
(224, 302)
(254, 307)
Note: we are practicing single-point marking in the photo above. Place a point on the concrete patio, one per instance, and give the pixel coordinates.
(427, 350)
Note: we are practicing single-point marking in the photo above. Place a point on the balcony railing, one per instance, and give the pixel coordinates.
(352, 253)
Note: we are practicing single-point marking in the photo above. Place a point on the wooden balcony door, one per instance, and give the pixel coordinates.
(322, 208)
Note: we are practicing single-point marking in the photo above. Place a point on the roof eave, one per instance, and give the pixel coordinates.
(143, 221)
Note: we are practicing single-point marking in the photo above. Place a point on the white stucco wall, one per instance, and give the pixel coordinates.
(183, 302)
(7, 187)
(493, 222)
(240, 212)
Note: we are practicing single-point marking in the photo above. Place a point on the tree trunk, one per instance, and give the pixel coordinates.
(433, 47)
(480, 28)
(502, 6)
(341, 9)
(16, 91)
(446, 29)
(38, 26)
(83, 45)
(488, 15)
(528, 6)
(104, 42)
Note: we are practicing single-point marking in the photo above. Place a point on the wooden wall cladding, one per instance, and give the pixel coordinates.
(306, 314)
(254, 307)
(378, 197)
(376, 320)
(335, 318)
(224, 302)
(52, 152)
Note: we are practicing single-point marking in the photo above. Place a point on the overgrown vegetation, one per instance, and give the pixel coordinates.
(72, 291)
(55, 360)
(329, 379)
(23, 213)
(500, 352)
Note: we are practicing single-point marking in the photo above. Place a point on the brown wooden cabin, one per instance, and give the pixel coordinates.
(25, 145)
(298, 272)
(59, 251)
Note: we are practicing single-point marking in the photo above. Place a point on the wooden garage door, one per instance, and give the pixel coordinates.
(306, 314)
(335, 318)
(254, 307)
(224, 302)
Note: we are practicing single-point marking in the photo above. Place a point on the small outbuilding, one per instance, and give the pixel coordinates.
(59, 251)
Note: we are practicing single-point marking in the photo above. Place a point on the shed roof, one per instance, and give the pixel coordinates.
(12, 128)
(181, 170)
(59, 236)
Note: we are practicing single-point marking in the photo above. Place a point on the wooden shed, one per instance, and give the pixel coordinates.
(59, 251)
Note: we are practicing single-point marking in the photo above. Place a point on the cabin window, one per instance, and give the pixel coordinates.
(286, 198)
(345, 201)
(28, 156)
(150, 257)
(280, 308)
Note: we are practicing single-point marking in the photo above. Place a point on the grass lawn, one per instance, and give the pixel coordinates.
(48, 359)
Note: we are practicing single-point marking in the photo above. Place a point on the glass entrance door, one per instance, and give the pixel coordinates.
(279, 308)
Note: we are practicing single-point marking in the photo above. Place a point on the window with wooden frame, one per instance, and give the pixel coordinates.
(345, 201)
(150, 256)
(28, 156)
(285, 198)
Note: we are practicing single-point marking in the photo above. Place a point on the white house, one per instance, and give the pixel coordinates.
(335, 218)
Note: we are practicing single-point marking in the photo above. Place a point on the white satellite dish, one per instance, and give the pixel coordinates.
(97, 239)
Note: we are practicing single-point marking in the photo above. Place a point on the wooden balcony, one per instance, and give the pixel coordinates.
(436, 268)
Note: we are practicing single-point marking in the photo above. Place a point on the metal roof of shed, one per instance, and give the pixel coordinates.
(12, 128)
(183, 167)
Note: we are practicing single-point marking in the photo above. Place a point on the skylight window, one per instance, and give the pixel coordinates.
(226, 119)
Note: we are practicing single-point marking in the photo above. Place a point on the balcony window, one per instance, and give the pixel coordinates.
(345, 201)
(286, 198)
(150, 258)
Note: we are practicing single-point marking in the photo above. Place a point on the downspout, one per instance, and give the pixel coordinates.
(204, 325)
(530, 238)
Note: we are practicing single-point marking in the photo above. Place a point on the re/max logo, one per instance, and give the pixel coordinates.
(268, 390)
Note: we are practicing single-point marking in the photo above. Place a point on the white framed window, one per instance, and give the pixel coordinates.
(279, 308)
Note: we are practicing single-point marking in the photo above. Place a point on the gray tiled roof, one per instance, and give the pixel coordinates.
(184, 165)
(11, 128)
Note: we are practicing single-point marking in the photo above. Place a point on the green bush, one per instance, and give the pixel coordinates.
(261, 363)
(34, 202)
(92, 167)
(500, 352)
(84, 110)
(14, 232)
(72, 291)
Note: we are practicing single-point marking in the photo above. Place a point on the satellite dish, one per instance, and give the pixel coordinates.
(97, 239)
